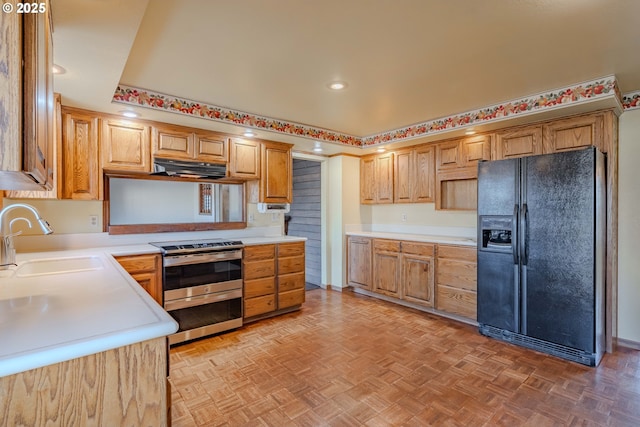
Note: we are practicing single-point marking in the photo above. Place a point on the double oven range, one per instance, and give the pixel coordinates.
(202, 286)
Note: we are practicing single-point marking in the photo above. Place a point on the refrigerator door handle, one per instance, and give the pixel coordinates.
(514, 240)
(524, 242)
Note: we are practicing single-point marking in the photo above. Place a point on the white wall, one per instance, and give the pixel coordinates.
(421, 214)
(629, 228)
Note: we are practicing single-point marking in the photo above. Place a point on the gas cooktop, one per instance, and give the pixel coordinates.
(186, 246)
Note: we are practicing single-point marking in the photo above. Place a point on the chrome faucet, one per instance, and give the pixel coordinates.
(7, 250)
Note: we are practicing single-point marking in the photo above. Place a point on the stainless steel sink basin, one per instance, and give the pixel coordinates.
(42, 267)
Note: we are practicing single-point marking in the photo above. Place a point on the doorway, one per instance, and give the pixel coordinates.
(306, 216)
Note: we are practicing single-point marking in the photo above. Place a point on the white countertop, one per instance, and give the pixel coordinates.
(88, 305)
(50, 318)
(450, 240)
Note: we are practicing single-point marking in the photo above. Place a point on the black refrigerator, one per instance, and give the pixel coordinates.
(541, 253)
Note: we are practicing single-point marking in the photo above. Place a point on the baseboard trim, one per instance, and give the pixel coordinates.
(621, 342)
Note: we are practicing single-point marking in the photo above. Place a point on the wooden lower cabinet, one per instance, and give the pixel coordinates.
(259, 269)
(145, 269)
(125, 386)
(456, 276)
(359, 262)
(274, 278)
(435, 276)
(386, 267)
(418, 273)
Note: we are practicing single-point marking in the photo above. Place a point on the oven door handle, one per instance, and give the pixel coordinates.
(201, 300)
(173, 260)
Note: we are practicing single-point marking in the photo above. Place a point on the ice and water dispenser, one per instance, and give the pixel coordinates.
(495, 233)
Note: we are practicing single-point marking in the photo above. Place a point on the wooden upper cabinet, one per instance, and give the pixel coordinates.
(276, 178)
(244, 158)
(414, 175)
(80, 162)
(211, 147)
(384, 178)
(448, 155)
(376, 179)
(173, 142)
(474, 149)
(574, 133)
(368, 180)
(124, 146)
(520, 142)
(26, 101)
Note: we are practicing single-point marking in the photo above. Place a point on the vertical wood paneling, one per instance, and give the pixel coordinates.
(305, 214)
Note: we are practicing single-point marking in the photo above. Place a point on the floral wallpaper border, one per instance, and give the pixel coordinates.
(631, 101)
(605, 87)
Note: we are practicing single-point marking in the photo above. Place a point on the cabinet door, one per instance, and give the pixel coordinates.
(526, 141)
(367, 180)
(456, 275)
(276, 182)
(404, 177)
(418, 279)
(573, 133)
(125, 146)
(384, 178)
(38, 104)
(173, 143)
(147, 271)
(448, 155)
(80, 166)
(386, 267)
(211, 147)
(244, 158)
(474, 149)
(359, 262)
(424, 175)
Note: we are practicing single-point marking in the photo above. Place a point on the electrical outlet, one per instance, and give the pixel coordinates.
(252, 218)
(274, 217)
(93, 220)
(404, 217)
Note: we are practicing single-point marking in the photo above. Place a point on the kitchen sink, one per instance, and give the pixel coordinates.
(42, 267)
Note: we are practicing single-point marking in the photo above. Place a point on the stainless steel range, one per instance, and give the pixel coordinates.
(202, 286)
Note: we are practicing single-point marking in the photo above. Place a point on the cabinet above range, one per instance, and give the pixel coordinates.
(98, 143)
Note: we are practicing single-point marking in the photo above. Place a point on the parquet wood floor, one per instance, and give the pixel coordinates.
(350, 360)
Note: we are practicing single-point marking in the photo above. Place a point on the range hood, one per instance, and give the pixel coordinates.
(188, 169)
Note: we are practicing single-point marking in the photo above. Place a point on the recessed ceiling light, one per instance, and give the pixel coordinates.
(381, 150)
(317, 148)
(470, 132)
(337, 85)
(129, 113)
(249, 133)
(56, 69)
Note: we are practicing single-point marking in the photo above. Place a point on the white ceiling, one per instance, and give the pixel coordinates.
(405, 61)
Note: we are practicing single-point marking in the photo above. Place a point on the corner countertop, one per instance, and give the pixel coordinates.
(89, 304)
(449, 240)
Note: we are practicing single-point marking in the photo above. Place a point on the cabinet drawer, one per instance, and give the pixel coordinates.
(290, 298)
(290, 265)
(457, 274)
(290, 249)
(289, 282)
(259, 305)
(259, 269)
(465, 253)
(386, 245)
(252, 253)
(424, 249)
(259, 287)
(138, 263)
(456, 301)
